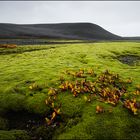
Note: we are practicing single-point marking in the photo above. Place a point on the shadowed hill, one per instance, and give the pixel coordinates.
(132, 38)
(85, 31)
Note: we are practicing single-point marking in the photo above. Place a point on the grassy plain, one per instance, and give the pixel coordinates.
(44, 65)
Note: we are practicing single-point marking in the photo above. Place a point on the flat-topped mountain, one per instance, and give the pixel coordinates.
(85, 31)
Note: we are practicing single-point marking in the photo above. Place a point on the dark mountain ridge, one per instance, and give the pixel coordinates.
(83, 31)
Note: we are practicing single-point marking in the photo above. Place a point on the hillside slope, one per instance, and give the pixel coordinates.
(85, 31)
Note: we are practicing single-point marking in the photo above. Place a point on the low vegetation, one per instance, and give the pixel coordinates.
(8, 46)
(70, 91)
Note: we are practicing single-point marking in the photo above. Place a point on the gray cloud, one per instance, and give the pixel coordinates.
(118, 17)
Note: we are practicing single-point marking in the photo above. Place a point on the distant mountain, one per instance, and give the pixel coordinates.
(132, 38)
(84, 31)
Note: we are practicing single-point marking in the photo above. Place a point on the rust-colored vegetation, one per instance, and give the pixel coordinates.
(11, 46)
(106, 87)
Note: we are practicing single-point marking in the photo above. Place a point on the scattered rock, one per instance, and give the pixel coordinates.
(129, 59)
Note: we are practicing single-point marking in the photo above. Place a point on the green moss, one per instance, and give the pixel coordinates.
(76, 132)
(13, 102)
(14, 135)
(114, 125)
(6, 135)
(3, 124)
(44, 65)
(71, 106)
(43, 132)
(36, 104)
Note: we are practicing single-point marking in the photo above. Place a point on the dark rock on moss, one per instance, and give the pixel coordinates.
(129, 59)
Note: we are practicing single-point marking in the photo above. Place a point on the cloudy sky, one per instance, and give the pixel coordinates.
(121, 18)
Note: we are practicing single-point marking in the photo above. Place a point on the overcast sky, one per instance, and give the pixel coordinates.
(121, 18)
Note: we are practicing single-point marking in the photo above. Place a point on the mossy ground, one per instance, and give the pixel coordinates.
(44, 65)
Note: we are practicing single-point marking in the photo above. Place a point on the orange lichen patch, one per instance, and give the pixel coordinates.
(33, 86)
(129, 81)
(78, 74)
(137, 91)
(111, 96)
(65, 86)
(107, 88)
(12, 46)
(78, 87)
(50, 101)
(132, 105)
(99, 109)
(89, 98)
(91, 72)
(54, 114)
(55, 109)
(48, 121)
(105, 82)
(52, 91)
(138, 87)
(110, 78)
